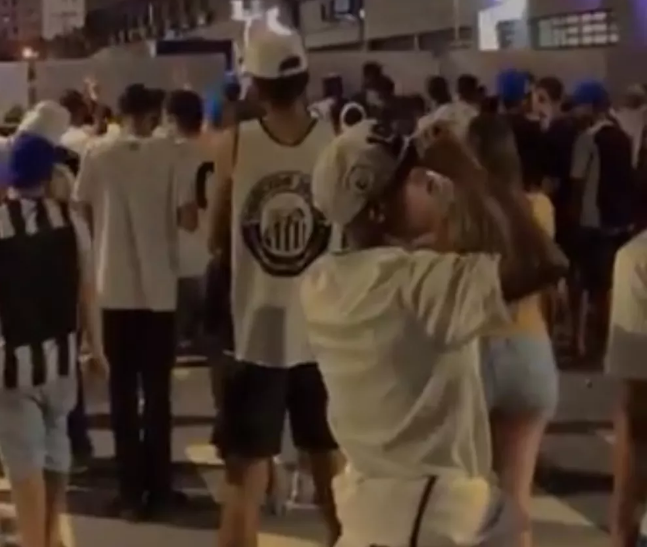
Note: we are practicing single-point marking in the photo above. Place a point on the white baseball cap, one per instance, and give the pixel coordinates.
(356, 167)
(47, 119)
(272, 55)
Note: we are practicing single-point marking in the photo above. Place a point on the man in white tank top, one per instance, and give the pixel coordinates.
(265, 211)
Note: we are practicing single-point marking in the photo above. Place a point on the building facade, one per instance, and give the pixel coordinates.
(21, 20)
(61, 17)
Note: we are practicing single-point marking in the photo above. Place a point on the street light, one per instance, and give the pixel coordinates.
(30, 56)
(29, 53)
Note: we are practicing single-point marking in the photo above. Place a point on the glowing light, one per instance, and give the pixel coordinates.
(29, 53)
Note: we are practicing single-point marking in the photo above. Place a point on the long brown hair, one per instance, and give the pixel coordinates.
(475, 221)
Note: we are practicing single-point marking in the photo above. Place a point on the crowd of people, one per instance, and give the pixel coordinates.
(388, 273)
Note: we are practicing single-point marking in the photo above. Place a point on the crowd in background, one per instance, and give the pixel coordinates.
(154, 184)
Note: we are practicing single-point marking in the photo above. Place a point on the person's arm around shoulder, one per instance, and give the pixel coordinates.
(220, 211)
(89, 311)
(456, 297)
(530, 260)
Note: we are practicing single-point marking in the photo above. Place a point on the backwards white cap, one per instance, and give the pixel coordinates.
(272, 55)
(356, 167)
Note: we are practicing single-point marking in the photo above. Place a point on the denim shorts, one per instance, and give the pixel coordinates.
(33, 427)
(519, 374)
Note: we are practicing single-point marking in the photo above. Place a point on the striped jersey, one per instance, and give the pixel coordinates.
(39, 288)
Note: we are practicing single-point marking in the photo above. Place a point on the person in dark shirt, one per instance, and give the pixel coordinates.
(438, 91)
(513, 87)
(603, 208)
(560, 133)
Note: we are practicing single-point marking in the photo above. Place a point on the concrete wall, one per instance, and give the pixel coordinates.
(387, 18)
(201, 73)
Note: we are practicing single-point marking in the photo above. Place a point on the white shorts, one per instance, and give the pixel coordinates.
(459, 512)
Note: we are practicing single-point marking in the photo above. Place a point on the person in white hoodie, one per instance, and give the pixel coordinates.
(394, 329)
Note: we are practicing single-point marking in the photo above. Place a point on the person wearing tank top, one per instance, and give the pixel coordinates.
(264, 214)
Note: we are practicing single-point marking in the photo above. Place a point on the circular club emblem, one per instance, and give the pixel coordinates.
(281, 227)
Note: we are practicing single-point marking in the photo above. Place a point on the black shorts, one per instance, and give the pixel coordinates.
(256, 400)
(595, 257)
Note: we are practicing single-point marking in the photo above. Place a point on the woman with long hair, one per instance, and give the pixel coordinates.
(395, 327)
(519, 371)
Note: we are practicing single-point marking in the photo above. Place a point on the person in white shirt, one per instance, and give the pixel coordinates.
(184, 115)
(79, 134)
(460, 112)
(632, 118)
(137, 192)
(263, 215)
(395, 331)
(625, 362)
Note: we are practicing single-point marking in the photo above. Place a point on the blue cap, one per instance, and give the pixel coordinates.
(230, 78)
(512, 85)
(30, 162)
(213, 109)
(590, 92)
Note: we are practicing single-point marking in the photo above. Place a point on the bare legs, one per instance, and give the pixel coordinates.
(40, 501)
(629, 471)
(245, 490)
(516, 448)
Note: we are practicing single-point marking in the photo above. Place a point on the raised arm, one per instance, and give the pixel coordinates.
(493, 218)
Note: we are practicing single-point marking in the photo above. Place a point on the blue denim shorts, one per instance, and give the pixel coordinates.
(519, 374)
(33, 427)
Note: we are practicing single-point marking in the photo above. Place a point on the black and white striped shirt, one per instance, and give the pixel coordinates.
(39, 288)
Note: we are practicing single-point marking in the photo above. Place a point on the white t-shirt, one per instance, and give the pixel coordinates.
(395, 336)
(628, 326)
(194, 254)
(77, 139)
(632, 122)
(394, 333)
(134, 187)
(459, 114)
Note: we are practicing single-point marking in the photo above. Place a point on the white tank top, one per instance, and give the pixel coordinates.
(276, 234)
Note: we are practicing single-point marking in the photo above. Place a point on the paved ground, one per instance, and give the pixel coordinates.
(569, 507)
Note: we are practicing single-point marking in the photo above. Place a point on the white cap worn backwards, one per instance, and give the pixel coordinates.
(356, 167)
(271, 55)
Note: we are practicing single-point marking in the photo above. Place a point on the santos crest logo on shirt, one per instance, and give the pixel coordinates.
(280, 226)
